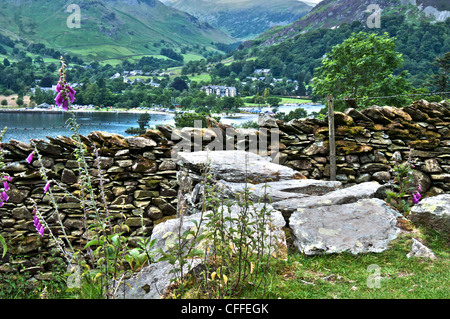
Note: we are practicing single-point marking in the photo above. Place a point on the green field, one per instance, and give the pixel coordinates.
(202, 77)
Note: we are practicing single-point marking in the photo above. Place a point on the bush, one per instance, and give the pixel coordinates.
(188, 119)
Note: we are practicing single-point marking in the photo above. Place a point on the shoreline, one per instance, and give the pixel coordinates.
(58, 111)
(131, 111)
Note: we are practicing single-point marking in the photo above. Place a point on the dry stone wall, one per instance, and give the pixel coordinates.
(368, 142)
(140, 175)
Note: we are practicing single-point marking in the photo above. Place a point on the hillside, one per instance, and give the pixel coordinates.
(109, 28)
(330, 14)
(243, 19)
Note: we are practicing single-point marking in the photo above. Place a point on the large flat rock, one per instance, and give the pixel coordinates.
(280, 190)
(336, 197)
(367, 225)
(236, 166)
(152, 281)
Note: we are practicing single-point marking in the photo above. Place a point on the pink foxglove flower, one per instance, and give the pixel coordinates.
(65, 93)
(6, 186)
(8, 178)
(38, 225)
(46, 187)
(416, 198)
(30, 158)
(2, 203)
(5, 196)
(41, 231)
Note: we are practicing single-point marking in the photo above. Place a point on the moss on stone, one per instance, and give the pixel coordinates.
(350, 130)
(349, 147)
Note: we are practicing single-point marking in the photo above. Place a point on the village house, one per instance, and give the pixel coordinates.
(262, 71)
(219, 90)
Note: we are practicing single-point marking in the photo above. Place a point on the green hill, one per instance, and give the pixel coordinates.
(243, 19)
(330, 14)
(110, 29)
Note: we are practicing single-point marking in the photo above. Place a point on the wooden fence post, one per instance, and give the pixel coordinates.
(332, 140)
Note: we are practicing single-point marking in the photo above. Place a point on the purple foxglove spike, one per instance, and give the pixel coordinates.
(65, 105)
(59, 99)
(46, 187)
(30, 158)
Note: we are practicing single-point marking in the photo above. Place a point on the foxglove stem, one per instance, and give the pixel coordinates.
(52, 199)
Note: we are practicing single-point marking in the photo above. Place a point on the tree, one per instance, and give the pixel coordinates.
(360, 67)
(179, 84)
(298, 113)
(274, 100)
(143, 120)
(441, 80)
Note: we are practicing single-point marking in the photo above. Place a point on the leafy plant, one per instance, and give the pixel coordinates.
(403, 185)
(231, 240)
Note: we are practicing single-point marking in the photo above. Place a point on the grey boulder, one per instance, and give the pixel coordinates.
(433, 212)
(367, 225)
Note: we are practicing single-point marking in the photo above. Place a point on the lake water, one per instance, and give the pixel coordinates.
(38, 125)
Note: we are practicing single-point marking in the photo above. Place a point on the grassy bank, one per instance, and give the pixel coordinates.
(344, 276)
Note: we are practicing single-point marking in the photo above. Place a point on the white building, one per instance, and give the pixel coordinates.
(262, 71)
(220, 90)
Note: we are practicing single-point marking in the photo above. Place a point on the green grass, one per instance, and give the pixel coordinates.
(346, 276)
(202, 77)
(192, 57)
(289, 100)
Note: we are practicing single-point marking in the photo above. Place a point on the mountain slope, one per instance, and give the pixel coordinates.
(243, 19)
(332, 13)
(109, 28)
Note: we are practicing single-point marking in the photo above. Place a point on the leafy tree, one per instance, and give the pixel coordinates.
(143, 120)
(441, 80)
(360, 67)
(273, 100)
(298, 113)
(188, 119)
(179, 84)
